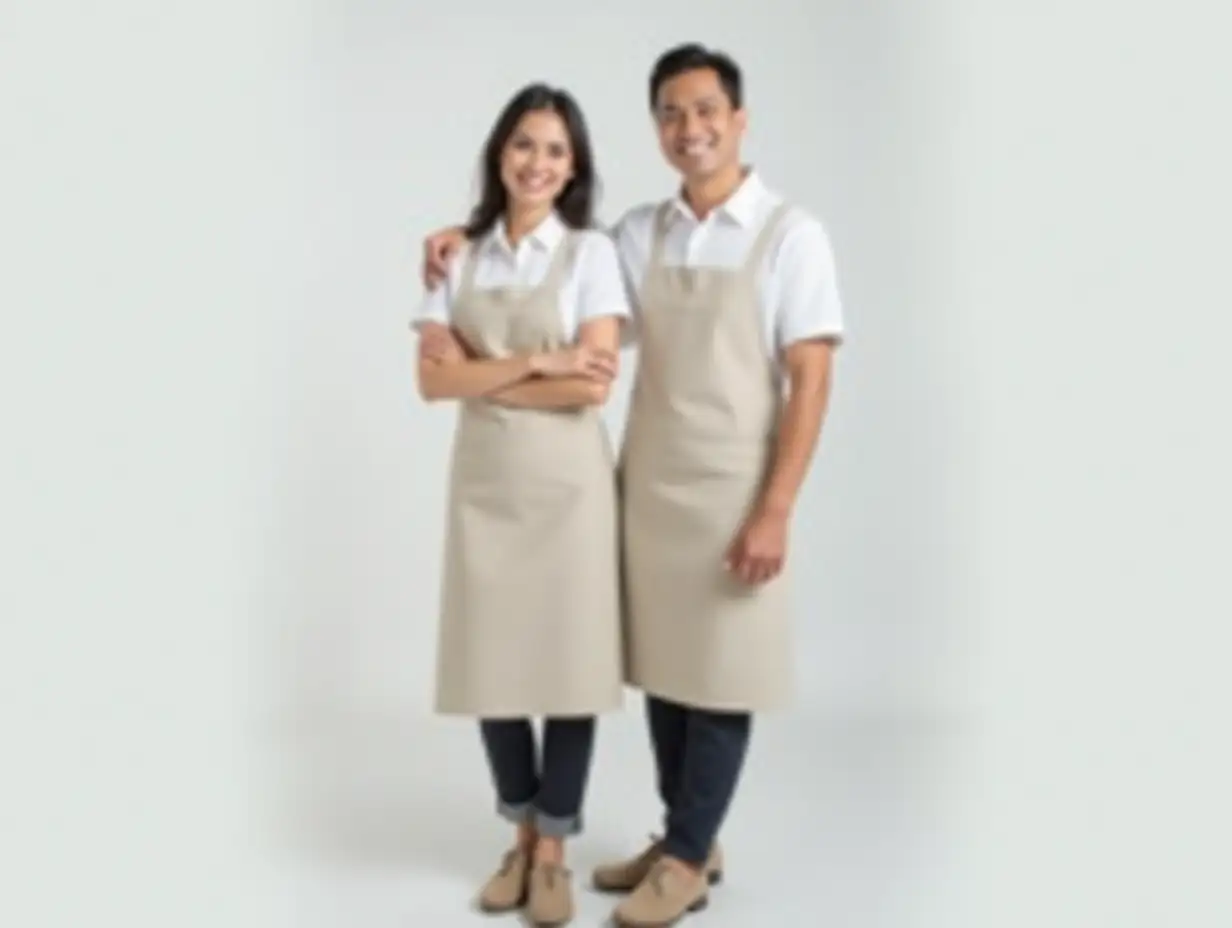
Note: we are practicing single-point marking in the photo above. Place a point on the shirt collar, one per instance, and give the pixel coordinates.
(545, 236)
(740, 207)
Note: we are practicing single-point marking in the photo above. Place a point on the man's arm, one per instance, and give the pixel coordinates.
(759, 550)
(807, 365)
(808, 324)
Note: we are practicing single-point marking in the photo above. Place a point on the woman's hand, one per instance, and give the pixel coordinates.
(587, 361)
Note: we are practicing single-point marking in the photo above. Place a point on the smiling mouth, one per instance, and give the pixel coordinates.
(534, 184)
(693, 149)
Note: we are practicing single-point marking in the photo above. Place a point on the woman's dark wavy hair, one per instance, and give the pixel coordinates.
(576, 202)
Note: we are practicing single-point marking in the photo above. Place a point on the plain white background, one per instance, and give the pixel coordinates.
(221, 500)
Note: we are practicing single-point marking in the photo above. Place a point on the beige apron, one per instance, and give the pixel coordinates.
(702, 424)
(530, 620)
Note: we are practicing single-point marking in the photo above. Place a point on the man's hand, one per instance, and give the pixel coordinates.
(577, 361)
(760, 548)
(439, 249)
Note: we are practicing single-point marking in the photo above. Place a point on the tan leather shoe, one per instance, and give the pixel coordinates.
(666, 895)
(506, 889)
(623, 876)
(550, 901)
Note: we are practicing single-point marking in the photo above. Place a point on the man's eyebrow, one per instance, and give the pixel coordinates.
(709, 98)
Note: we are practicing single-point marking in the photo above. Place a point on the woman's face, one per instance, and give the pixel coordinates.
(537, 161)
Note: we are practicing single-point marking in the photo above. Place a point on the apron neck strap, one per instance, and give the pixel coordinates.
(761, 245)
(659, 235)
(756, 255)
(554, 279)
(469, 264)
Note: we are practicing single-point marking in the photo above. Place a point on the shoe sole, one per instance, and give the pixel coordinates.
(545, 923)
(489, 909)
(695, 907)
(713, 878)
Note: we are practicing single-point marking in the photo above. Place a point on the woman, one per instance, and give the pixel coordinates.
(525, 334)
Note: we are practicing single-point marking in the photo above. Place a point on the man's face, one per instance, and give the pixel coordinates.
(699, 130)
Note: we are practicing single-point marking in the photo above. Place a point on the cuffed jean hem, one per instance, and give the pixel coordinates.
(550, 826)
(520, 814)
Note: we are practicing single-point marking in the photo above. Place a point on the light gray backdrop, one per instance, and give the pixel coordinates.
(222, 501)
(838, 95)
(407, 98)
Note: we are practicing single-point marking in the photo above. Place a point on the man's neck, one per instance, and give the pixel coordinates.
(705, 194)
(519, 222)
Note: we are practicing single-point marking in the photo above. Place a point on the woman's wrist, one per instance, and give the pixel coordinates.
(539, 362)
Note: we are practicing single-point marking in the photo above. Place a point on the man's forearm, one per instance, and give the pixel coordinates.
(552, 393)
(800, 423)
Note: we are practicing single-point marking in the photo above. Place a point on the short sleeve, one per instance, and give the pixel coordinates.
(631, 238)
(437, 305)
(433, 308)
(808, 303)
(601, 291)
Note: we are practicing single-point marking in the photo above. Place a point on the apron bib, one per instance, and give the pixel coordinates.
(530, 621)
(700, 439)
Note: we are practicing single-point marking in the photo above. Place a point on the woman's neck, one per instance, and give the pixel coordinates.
(706, 193)
(520, 221)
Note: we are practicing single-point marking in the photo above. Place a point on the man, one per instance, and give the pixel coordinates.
(736, 318)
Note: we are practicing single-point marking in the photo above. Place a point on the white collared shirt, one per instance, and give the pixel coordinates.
(593, 286)
(798, 283)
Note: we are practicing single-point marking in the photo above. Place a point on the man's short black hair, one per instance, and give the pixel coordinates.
(695, 57)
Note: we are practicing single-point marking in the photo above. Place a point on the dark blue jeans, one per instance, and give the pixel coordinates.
(699, 755)
(545, 792)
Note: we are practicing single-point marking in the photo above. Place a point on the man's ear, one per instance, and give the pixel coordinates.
(741, 119)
